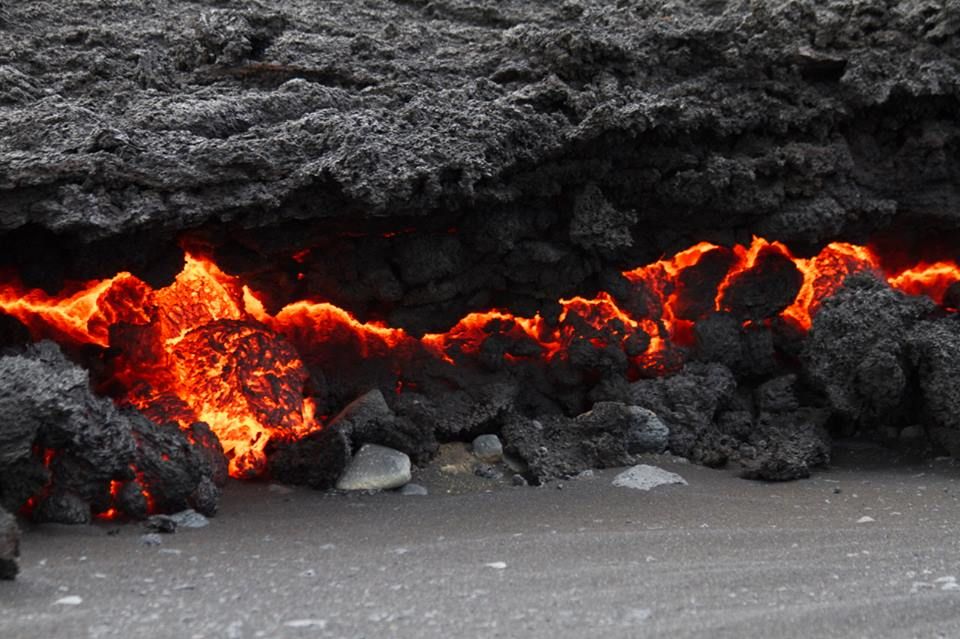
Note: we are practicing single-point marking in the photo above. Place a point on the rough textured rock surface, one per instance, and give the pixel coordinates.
(689, 403)
(934, 348)
(414, 161)
(64, 447)
(608, 435)
(9, 545)
(857, 352)
(550, 138)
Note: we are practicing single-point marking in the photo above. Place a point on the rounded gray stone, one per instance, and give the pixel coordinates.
(413, 489)
(376, 468)
(488, 448)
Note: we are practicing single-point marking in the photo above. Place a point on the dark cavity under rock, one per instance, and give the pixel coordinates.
(9, 545)
(66, 450)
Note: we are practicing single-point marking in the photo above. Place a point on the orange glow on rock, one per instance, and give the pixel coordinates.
(931, 280)
(206, 349)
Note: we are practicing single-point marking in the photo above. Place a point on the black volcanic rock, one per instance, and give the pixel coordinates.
(621, 131)
(934, 349)
(9, 545)
(688, 403)
(764, 290)
(857, 352)
(608, 435)
(64, 446)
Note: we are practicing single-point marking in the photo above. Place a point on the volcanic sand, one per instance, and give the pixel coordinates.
(867, 548)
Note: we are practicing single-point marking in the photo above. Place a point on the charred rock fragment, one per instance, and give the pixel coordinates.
(785, 445)
(770, 431)
(316, 460)
(764, 290)
(697, 286)
(609, 435)
(85, 457)
(460, 414)
(319, 458)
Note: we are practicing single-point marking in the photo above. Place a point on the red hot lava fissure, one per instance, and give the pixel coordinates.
(205, 349)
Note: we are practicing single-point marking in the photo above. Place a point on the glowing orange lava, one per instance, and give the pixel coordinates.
(205, 348)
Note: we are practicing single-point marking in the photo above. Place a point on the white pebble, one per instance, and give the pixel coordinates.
(865, 520)
(72, 600)
(306, 623)
(498, 565)
(644, 477)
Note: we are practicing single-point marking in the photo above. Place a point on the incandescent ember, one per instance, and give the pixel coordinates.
(205, 349)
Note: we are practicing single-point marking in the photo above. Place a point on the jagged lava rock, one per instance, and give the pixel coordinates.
(47, 405)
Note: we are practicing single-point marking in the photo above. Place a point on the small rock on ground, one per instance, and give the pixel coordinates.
(151, 539)
(488, 448)
(161, 524)
(413, 489)
(644, 477)
(487, 471)
(376, 468)
(190, 519)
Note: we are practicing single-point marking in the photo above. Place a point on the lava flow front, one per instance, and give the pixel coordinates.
(204, 349)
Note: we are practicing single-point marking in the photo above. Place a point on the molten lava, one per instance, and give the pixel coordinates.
(205, 349)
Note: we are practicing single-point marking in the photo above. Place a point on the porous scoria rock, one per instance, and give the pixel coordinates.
(857, 352)
(799, 119)
(64, 445)
(608, 435)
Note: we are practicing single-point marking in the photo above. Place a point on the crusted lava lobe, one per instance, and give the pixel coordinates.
(70, 455)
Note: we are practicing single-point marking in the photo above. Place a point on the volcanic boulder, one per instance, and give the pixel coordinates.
(934, 351)
(688, 403)
(71, 454)
(608, 435)
(857, 352)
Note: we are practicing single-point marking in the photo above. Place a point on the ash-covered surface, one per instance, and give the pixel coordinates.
(548, 136)
(9, 545)
(69, 455)
(589, 560)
